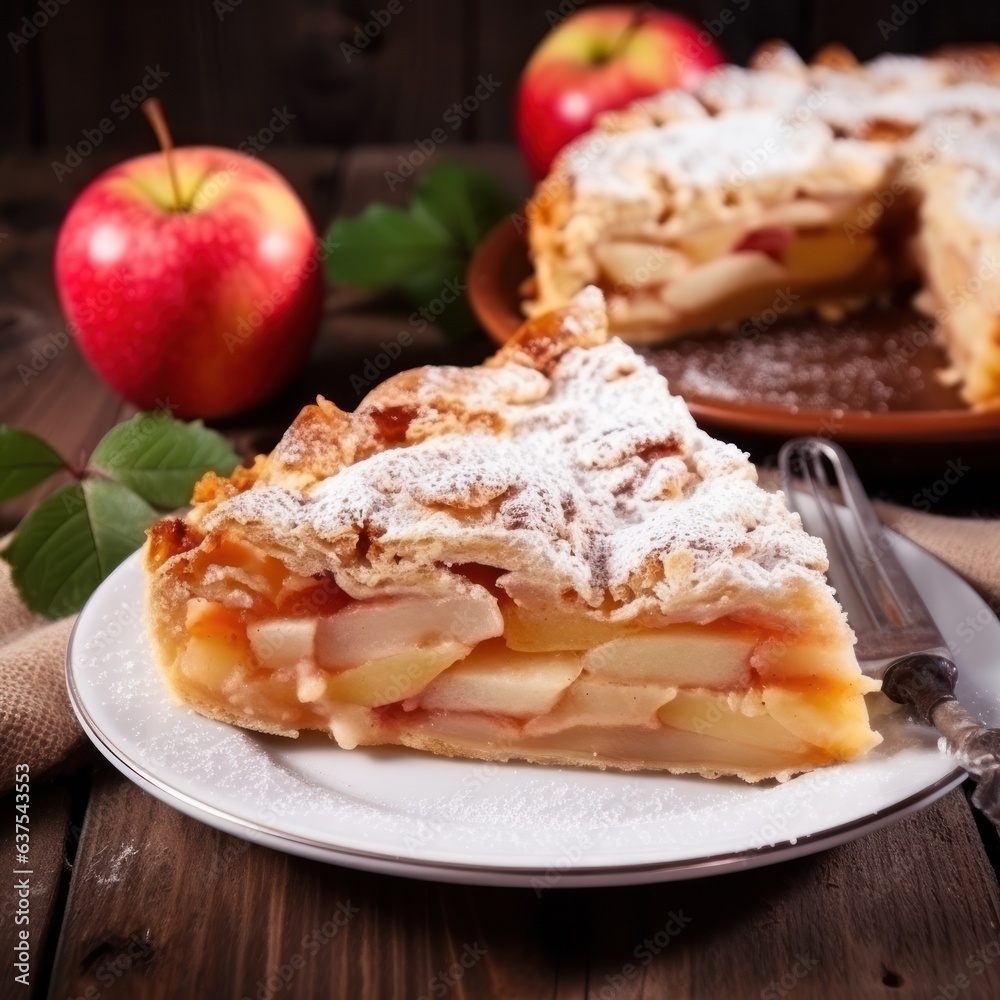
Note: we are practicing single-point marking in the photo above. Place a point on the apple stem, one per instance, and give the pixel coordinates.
(621, 42)
(153, 110)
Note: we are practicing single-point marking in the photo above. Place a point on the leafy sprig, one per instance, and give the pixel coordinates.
(66, 545)
(422, 250)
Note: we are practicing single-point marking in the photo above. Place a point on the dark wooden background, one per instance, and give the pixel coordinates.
(230, 62)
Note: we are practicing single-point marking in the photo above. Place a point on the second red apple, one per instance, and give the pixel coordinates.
(600, 59)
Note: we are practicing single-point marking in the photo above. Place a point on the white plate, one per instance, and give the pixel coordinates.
(410, 813)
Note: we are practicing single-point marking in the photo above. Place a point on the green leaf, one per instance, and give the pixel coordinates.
(70, 542)
(162, 458)
(25, 461)
(383, 245)
(467, 201)
(438, 290)
(424, 250)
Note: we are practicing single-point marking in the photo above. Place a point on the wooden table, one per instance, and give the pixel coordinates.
(131, 899)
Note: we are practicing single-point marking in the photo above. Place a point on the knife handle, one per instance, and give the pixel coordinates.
(922, 681)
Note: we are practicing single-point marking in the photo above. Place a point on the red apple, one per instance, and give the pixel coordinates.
(199, 292)
(600, 59)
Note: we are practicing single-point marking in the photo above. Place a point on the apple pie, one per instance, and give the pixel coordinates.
(540, 558)
(782, 187)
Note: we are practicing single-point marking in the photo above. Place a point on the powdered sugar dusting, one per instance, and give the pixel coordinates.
(973, 149)
(697, 153)
(591, 481)
(779, 118)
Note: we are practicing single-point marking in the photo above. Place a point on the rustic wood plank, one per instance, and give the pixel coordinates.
(49, 824)
(164, 902)
(898, 913)
(338, 69)
(164, 906)
(218, 68)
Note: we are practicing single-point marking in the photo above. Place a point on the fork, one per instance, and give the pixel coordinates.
(898, 641)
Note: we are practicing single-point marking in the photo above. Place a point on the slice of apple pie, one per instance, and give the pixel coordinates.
(540, 558)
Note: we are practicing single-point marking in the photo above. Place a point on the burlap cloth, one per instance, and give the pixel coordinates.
(37, 725)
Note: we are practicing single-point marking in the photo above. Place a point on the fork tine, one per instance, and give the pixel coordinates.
(895, 586)
(856, 559)
(883, 606)
(879, 584)
(895, 589)
(803, 458)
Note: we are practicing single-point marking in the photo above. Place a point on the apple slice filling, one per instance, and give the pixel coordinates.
(522, 678)
(729, 271)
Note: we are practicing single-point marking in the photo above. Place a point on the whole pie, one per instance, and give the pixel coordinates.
(786, 186)
(540, 558)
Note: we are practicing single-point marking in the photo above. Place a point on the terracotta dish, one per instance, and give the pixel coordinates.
(870, 381)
